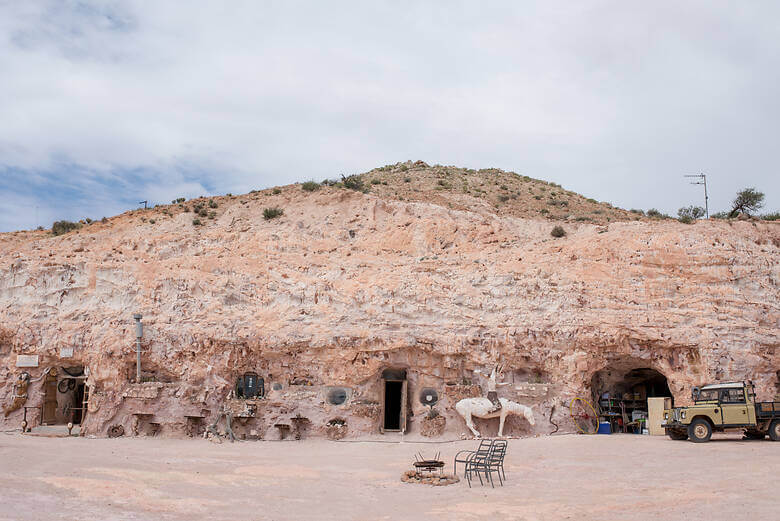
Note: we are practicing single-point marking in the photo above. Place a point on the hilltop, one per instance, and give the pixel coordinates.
(339, 284)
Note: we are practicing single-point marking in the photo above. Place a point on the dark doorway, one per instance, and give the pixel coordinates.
(78, 403)
(393, 396)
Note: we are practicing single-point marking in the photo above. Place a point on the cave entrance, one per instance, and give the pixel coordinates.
(64, 396)
(624, 396)
(394, 397)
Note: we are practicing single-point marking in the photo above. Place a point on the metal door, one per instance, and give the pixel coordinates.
(734, 408)
(382, 401)
(403, 406)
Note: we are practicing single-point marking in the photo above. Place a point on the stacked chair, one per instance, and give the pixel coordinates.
(488, 459)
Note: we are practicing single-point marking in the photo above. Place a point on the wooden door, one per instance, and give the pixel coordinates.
(49, 412)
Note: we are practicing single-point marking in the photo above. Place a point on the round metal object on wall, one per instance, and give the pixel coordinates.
(338, 395)
(66, 385)
(116, 431)
(429, 396)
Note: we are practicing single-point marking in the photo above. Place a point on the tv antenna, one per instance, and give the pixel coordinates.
(143, 203)
(702, 180)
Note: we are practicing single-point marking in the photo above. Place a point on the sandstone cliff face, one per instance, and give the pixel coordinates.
(345, 285)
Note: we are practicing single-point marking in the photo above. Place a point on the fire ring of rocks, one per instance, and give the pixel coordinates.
(437, 480)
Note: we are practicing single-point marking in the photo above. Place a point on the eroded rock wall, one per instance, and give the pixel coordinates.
(345, 285)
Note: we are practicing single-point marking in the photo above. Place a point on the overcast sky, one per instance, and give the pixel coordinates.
(104, 104)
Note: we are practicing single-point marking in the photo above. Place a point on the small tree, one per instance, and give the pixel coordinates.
(747, 201)
(353, 182)
(690, 214)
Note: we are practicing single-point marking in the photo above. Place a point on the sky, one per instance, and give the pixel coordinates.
(105, 104)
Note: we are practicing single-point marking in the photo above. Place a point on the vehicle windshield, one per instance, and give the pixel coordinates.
(707, 395)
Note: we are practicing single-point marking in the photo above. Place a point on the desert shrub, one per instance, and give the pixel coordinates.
(152, 221)
(272, 213)
(582, 218)
(203, 212)
(689, 214)
(276, 191)
(196, 222)
(558, 231)
(774, 216)
(376, 182)
(652, 212)
(720, 215)
(178, 200)
(544, 211)
(503, 198)
(538, 197)
(639, 212)
(404, 168)
(443, 185)
(89, 221)
(747, 201)
(104, 220)
(212, 215)
(212, 203)
(504, 187)
(229, 194)
(310, 186)
(353, 182)
(63, 227)
(591, 200)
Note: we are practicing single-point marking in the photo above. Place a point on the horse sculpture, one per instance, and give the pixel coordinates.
(482, 407)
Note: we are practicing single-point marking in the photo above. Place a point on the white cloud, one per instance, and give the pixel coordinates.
(612, 99)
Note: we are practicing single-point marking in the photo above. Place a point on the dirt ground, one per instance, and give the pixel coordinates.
(560, 477)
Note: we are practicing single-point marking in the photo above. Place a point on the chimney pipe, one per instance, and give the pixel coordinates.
(139, 332)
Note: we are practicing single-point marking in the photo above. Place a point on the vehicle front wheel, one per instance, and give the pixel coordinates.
(699, 431)
(677, 434)
(774, 430)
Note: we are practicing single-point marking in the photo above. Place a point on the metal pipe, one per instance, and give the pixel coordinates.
(139, 332)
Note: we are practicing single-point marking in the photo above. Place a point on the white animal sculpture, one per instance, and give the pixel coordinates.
(482, 407)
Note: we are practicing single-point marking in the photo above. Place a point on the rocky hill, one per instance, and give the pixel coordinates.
(437, 271)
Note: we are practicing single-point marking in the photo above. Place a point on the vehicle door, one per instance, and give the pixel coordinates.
(734, 406)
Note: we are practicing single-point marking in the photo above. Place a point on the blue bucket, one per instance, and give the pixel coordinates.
(604, 428)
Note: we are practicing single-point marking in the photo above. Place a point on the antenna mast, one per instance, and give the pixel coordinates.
(702, 180)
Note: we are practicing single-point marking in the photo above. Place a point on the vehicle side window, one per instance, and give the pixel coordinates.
(708, 395)
(732, 396)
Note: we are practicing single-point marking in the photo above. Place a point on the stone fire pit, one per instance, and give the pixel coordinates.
(424, 478)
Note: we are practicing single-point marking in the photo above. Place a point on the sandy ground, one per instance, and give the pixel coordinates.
(561, 477)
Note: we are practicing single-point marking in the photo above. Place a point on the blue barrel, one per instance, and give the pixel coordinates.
(604, 428)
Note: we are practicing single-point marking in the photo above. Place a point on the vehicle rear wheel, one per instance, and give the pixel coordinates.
(774, 430)
(700, 431)
(677, 434)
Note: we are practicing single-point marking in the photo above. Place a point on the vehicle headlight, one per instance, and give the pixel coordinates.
(666, 416)
(682, 414)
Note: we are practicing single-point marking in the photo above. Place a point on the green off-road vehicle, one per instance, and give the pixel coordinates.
(718, 407)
